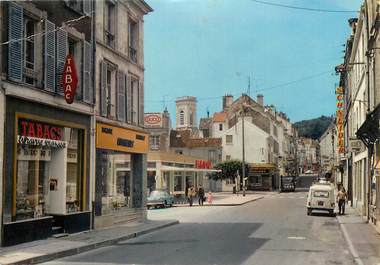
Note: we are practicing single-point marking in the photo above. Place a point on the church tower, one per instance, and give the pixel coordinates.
(186, 113)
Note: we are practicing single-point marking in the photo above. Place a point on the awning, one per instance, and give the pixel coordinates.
(369, 132)
(188, 169)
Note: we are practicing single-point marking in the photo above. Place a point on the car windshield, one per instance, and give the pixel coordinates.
(321, 194)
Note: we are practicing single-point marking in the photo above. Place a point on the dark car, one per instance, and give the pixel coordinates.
(288, 184)
(159, 198)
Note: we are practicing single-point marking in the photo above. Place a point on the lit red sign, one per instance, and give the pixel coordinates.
(203, 164)
(40, 130)
(340, 118)
(69, 79)
(153, 120)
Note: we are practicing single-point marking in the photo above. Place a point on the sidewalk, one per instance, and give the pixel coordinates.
(49, 249)
(225, 199)
(362, 238)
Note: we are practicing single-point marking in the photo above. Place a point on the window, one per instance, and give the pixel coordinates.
(181, 117)
(228, 157)
(220, 126)
(191, 118)
(228, 139)
(133, 38)
(109, 23)
(29, 51)
(76, 5)
(212, 156)
(154, 142)
(134, 100)
(178, 181)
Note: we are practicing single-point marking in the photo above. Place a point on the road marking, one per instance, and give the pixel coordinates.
(297, 237)
(351, 246)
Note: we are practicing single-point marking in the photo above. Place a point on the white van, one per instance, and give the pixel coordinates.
(321, 197)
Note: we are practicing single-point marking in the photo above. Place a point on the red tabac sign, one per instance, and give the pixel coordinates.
(69, 79)
(203, 164)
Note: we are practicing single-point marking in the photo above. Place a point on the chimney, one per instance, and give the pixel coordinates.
(260, 99)
(227, 101)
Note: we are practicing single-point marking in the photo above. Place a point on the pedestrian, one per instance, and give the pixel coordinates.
(190, 195)
(209, 197)
(201, 195)
(341, 198)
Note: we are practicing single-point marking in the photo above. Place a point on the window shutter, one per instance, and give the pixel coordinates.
(62, 50)
(141, 104)
(129, 99)
(121, 96)
(15, 34)
(88, 92)
(103, 89)
(87, 7)
(49, 56)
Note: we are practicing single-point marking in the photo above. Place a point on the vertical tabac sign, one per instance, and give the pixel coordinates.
(69, 79)
(340, 118)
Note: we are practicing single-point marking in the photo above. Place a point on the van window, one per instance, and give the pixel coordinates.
(321, 194)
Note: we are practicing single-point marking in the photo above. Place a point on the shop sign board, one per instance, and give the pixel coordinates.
(34, 129)
(340, 118)
(203, 164)
(31, 153)
(69, 79)
(25, 140)
(121, 139)
(355, 145)
(153, 120)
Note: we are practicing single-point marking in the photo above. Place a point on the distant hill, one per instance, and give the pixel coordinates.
(313, 128)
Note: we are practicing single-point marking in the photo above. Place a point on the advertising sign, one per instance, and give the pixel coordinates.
(153, 120)
(69, 79)
(340, 118)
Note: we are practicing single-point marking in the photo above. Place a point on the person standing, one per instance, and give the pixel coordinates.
(209, 197)
(341, 198)
(201, 195)
(190, 195)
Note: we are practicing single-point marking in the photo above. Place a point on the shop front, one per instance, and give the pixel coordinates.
(120, 175)
(176, 173)
(262, 177)
(46, 172)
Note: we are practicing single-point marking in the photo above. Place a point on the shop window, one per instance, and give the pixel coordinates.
(116, 181)
(49, 158)
(228, 139)
(151, 180)
(133, 39)
(154, 142)
(109, 23)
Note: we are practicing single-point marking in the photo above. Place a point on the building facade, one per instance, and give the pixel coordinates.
(121, 142)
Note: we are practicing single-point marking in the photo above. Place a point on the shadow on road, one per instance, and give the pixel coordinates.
(190, 243)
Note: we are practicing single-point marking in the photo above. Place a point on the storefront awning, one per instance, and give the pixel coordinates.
(188, 169)
(369, 131)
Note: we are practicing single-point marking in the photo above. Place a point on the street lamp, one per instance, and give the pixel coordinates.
(243, 149)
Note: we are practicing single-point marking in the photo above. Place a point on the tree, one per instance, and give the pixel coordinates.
(228, 170)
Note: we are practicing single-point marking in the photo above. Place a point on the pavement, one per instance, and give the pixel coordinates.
(362, 238)
(226, 199)
(49, 249)
(271, 231)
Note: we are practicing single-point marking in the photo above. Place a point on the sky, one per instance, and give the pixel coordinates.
(210, 48)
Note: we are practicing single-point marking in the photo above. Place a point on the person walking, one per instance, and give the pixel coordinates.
(190, 195)
(209, 197)
(341, 198)
(201, 195)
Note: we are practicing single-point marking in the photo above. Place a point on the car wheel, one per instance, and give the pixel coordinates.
(308, 211)
(331, 212)
(165, 204)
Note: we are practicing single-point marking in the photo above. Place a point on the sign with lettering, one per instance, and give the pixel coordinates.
(69, 79)
(203, 164)
(35, 129)
(340, 118)
(153, 120)
(121, 139)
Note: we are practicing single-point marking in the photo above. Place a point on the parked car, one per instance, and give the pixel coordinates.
(159, 198)
(288, 184)
(321, 197)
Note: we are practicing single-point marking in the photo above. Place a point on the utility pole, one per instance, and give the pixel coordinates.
(243, 149)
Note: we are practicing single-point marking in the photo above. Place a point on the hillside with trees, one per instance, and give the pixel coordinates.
(313, 128)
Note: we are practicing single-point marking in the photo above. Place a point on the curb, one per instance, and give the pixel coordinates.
(351, 247)
(221, 204)
(92, 246)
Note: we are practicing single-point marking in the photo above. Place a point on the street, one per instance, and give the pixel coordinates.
(273, 230)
